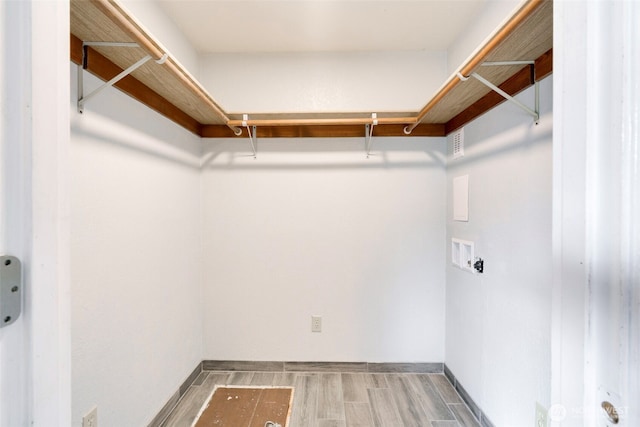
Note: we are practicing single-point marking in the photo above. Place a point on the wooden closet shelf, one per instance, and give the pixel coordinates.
(170, 89)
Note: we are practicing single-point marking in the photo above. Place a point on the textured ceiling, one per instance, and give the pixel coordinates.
(214, 26)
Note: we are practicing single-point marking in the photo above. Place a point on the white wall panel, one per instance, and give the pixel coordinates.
(498, 322)
(135, 258)
(312, 227)
(323, 82)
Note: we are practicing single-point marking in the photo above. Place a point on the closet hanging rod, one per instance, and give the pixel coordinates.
(521, 15)
(115, 13)
(325, 122)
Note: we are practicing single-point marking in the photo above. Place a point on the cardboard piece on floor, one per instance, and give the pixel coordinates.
(238, 406)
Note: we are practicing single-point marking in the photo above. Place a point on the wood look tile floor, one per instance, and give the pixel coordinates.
(328, 399)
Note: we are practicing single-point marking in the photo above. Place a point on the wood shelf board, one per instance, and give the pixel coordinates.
(528, 42)
(160, 79)
(532, 38)
(104, 69)
(323, 115)
(174, 96)
(88, 23)
(330, 131)
(466, 93)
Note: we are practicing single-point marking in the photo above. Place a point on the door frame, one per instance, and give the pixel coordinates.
(38, 135)
(14, 138)
(596, 266)
(48, 305)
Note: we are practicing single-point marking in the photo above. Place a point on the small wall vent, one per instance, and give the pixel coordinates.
(458, 143)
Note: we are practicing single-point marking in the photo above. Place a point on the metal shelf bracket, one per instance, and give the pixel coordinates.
(82, 98)
(368, 133)
(253, 136)
(535, 112)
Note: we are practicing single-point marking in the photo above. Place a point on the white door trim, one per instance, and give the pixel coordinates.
(15, 125)
(568, 236)
(47, 303)
(596, 271)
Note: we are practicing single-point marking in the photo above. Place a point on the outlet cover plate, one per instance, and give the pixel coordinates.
(316, 323)
(541, 416)
(91, 419)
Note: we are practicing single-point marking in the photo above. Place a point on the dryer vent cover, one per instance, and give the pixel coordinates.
(458, 143)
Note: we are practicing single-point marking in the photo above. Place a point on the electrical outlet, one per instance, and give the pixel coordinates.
(541, 416)
(91, 419)
(316, 323)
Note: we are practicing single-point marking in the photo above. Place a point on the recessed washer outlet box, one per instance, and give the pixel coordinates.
(462, 254)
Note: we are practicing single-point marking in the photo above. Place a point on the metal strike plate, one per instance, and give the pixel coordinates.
(10, 289)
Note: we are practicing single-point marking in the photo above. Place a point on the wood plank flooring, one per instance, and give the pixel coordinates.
(334, 399)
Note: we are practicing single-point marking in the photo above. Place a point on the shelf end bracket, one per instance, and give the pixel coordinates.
(253, 136)
(82, 98)
(535, 113)
(368, 133)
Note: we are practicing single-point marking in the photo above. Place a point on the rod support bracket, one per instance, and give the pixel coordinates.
(163, 59)
(535, 112)
(368, 133)
(82, 98)
(253, 137)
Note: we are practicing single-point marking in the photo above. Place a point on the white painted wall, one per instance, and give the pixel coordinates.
(498, 323)
(312, 227)
(135, 258)
(382, 81)
(323, 82)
